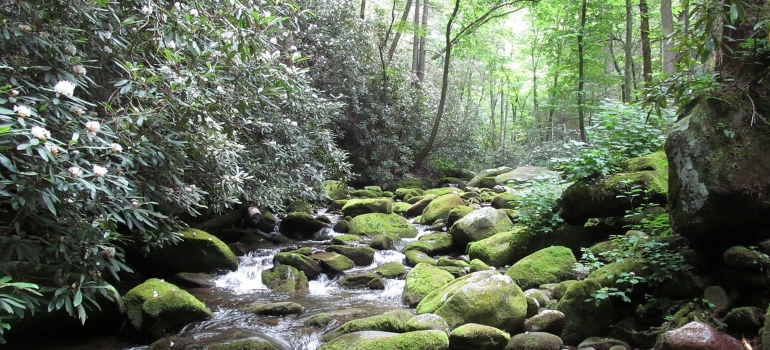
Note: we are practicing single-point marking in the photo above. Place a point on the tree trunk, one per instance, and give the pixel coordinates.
(416, 39)
(646, 51)
(397, 37)
(628, 81)
(581, 72)
(667, 25)
(420, 157)
(236, 217)
(363, 9)
(423, 36)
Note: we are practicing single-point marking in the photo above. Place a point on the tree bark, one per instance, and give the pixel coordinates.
(363, 9)
(397, 36)
(581, 72)
(646, 51)
(667, 26)
(423, 37)
(416, 38)
(628, 81)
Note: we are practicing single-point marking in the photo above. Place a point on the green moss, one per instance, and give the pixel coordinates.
(401, 193)
(323, 319)
(198, 251)
(651, 180)
(346, 239)
(355, 207)
(401, 207)
(478, 265)
(385, 241)
(431, 244)
(583, 316)
(479, 224)
(285, 278)
(474, 336)
(392, 321)
(390, 270)
(332, 262)
(246, 344)
(299, 206)
(419, 340)
(414, 257)
(444, 261)
(443, 191)
(310, 267)
(276, 309)
(506, 200)
(158, 307)
(306, 251)
(458, 213)
(421, 280)
(360, 255)
(501, 249)
(549, 265)
(607, 275)
(364, 194)
(439, 208)
(376, 223)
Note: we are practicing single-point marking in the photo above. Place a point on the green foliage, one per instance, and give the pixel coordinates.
(537, 203)
(621, 131)
(16, 298)
(118, 119)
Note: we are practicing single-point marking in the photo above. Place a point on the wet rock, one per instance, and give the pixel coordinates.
(444, 261)
(401, 208)
(276, 309)
(549, 265)
(300, 225)
(744, 258)
(346, 240)
(535, 341)
(551, 321)
(300, 206)
(419, 340)
(696, 335)
(156, 308)
(460, 211)
(456, 271)
(332, 263)
(194, 280)
(285, 278)
(747, 319)
(363, 256)
(426, 322)
(439, 208)
(478, 265)
(484, 297)
(310, 267)
(363, 280)
(431, 244)
(472, 336)
(417, 208)
(501, 249)
(583, 318)
(198, 251)
(506, 200)
(421, 280)
(333, 318)
(355, 207)
(384, 241)
(478, 180)
(376, 223)
(479, 224)
(392, 321)
(717, 296)
(601, 343)
(190, 342)
(414, 257)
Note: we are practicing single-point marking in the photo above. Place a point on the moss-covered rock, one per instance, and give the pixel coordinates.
(478, 265)
(473, 336)
(445, 261)
(401, 208)
(489, 173)
(374, 340)
(360, 255)
(310, 267)
(421, 280)
(336, 189)
(392, 321)
(458, 213)
(285, 278)
(439, 208)
(374, 279)
(431, 244)
(355, 207)
(506, 200)
(535, 341)
(524, 174)
(156, 308)
(747, 319)
(427, 322)
(607, 275)
(276, 309)
(323, 319)
(376, 223)
(300, 206)
(384, 241)
(443, 191)
(362, 193)
(741, 257)
(268, 222)
(484, 297)
(194, 280)
(502, 248)
(551, 321)
(456, 271)
(414, 257)
(336, 205)
(346, 239)
(198, 251)
(416, 208)
(479, 224)
(409, 182)
(549, 265)
(584, 316)
(299, 225)
(333, 263)
(401, 193)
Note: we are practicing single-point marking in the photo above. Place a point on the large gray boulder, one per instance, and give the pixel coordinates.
(719, 173)
(486, 178)
(479, 224)
(525, 174)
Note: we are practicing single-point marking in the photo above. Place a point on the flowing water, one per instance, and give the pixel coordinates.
(242, 288)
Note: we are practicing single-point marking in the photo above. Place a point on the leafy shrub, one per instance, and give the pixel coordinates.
(536, 204)
(119, 119)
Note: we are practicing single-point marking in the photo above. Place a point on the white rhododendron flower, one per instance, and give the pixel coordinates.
(65, 88)
(74, 171)
(171, 45)
(22, 111)
(99, 171)
(116, 148)
(40, 133)
(93, 126)
(70, 49)
(194, 12)
(79, 70)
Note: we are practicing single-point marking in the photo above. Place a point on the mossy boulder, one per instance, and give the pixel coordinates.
(332, 263)
(336, 189)
(363, 193)
(524, 174)
(401, 193)
(506, 200)
(584, 315)
(346, 239)
(194, 280)
(392, 321)
(198, 251)
(458, 213)
(276, 309)
(310, 267)
(439, 208)
(535, 341)
(473, 336)
(156, 308)
(374, 340)
(425, 322)
(285, 278)
(445, 261)
(336, 205)
(476, 181)
(421, 280)
(384, 241)
(549, 265)
(479, 224)
(299, 225)
(419, 206)
(376, 223)
(484, 297)
(443, 191)
(502, 248)
(607, 275)
(401, 208)
(478, 265)
(355, 207)
(360, 255)
(374, 279)
(414, 257)
(299, 206)
(323, 319)
(431, 244)
(741, 257)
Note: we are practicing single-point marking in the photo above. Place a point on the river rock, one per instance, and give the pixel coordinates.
(384, 241)
(486, 178)
(355, 207)
(333, 318)
(346, 239)
(156, 308)
(194, 280)
(198, 251)
(584, 318)
(402, 192)
(484, 297)
(439, 208)
(535, 341)
(502, 248)
(374, 279)
(360, 255)
(472, 336)
(300, 225)
(549, 265)
(276, 309)
(401, 208)
(285, 278)
(551, 321)
(417, 208)
(310, 267)
(506, 200)
(376, 223)
(431, 244)
(332, 263)
(426, 322)
(414, 257)
(460, 211)
(601, 343)
(479, 224)
(747, 319)
(184, 341)
(478, 265)
(526, 173)
(696, 335)
(421, 281)
(368, 340)
(391, 321)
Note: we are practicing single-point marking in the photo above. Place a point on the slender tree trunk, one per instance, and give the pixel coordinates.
(646, 51)
(420, 157)
(397, 37)
(416, 39)
(667, 26)
(423, 36)
(628, 81)
(581, 72)
(363, 9)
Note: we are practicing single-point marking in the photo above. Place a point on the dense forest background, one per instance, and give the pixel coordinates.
(122, 120)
